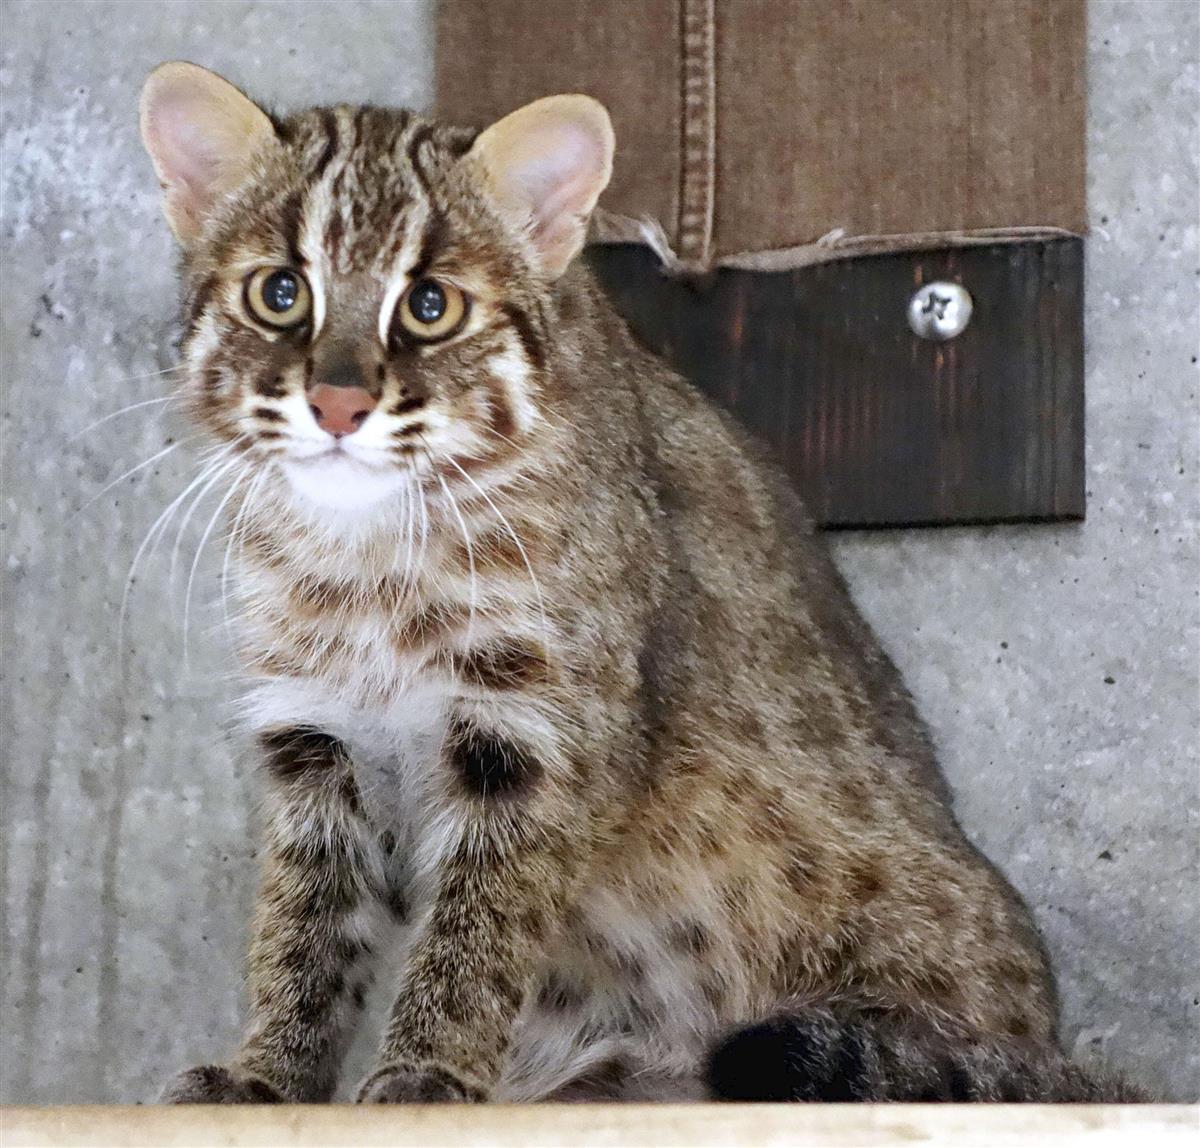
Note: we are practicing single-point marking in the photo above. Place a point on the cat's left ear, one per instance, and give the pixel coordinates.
(201, 133)
(545, 166)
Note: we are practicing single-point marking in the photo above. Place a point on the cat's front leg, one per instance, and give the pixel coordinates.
(320, 892)
(517, 842)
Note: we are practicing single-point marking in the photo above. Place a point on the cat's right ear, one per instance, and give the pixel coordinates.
(201, 133)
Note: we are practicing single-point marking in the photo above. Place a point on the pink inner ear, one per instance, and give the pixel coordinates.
(558, 180)
(188, 158)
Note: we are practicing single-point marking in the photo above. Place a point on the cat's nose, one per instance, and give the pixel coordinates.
(340, 410)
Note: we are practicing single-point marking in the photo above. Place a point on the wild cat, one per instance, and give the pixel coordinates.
(552, 681)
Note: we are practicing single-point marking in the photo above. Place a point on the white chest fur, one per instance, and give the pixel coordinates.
(396, 750)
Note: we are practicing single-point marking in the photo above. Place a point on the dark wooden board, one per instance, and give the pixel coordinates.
(878, 426)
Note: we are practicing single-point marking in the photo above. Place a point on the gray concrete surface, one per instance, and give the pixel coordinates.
(1058, 665)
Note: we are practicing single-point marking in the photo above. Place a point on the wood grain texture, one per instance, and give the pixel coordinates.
(877, 426)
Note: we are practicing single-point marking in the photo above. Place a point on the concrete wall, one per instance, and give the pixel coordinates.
(1057, 664)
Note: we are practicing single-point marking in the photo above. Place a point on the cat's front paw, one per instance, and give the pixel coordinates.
(403, 1083)
(216, 1084)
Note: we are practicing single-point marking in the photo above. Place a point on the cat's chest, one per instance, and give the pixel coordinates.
(395, 747)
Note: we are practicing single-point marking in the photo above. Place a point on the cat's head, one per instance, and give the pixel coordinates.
(366, 289)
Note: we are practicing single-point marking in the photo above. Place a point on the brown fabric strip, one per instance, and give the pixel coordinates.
(752, 127)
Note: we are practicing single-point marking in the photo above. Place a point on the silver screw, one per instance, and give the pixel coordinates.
(939, 311)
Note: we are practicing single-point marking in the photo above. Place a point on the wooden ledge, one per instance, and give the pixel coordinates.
(603, 1126)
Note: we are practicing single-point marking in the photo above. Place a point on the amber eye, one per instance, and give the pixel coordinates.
(278, 297)
(430, 310)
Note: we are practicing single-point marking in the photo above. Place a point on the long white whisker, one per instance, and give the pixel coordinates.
(251, 491)
(156, 530)
(537, 589)
(225, 462)
(187, 597)
(132, 471)
(419, 563)
(148, 375)
(406, 577)
(470, 554)
(116, 414)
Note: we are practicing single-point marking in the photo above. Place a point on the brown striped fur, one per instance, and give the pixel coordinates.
(563, 679)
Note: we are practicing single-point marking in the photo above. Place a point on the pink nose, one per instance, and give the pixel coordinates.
(340, 410)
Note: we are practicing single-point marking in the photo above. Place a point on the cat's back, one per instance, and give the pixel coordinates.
(749, 591)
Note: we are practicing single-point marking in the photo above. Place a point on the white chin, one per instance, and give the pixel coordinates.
(340, 483)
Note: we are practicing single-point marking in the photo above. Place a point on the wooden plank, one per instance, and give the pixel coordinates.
(878, 426)
(595, 1125)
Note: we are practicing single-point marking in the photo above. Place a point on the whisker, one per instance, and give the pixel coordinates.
(123, 411)
(420, 562)
(187, 597)
(132, 471)
(226, 463)
(156, 530)
(251, 491)
(148, 375)
(537, 589)
(407, 577)
(470, 554)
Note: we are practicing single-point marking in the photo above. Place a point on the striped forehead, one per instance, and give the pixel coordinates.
(367, 203)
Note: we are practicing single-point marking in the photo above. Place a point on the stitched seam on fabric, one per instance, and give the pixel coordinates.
(698, 131)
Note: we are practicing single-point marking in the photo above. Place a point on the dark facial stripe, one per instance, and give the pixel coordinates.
(292, 209)
(329, 124)
(201, 299)
(267, 415)
(405, 406)
(431, 241)
(413, 150)
(270, 386)
(524, 328)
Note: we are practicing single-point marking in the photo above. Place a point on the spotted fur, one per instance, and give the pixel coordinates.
(554, 675)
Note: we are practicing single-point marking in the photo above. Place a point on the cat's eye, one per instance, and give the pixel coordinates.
(278, 297)
(429, 311)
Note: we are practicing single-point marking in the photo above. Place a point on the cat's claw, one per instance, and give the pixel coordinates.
(403, 1083)
(216, 1084)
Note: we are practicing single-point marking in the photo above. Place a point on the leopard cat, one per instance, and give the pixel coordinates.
(551, 680)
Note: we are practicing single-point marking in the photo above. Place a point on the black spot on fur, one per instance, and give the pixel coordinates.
(491, 765)
(789, 1059)
(292, 753)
